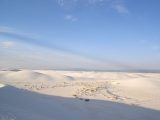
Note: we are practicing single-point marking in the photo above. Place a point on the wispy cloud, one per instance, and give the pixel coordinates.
(67, 4)
(117, 5)
(16, 35)
(7, 44)
(64, 3)
(71, 18)
(43, 58)
(96, 1)
(5, 29)
(10, 30)
(120, 8)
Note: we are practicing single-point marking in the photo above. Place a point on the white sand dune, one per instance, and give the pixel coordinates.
(67, 95)
(25, 75)
(2, 85)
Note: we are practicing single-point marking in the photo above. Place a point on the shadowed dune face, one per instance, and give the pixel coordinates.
(19, 104)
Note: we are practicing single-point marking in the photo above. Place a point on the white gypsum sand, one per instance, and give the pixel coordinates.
(2, 85)
(101, 95)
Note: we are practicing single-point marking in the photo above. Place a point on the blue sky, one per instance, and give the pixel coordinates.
(80, 34)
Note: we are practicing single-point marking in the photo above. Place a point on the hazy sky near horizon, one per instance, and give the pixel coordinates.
(80, 34)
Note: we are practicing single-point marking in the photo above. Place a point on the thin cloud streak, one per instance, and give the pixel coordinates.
(12, 31)
(120, 8)
(71, 18)
(42, 58)
(30, 39)
(117, 5)
(7, 44)
(82, 61)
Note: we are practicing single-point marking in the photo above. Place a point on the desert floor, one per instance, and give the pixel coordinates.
(81, 95)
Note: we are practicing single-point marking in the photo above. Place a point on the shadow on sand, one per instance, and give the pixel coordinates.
(19, 104)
